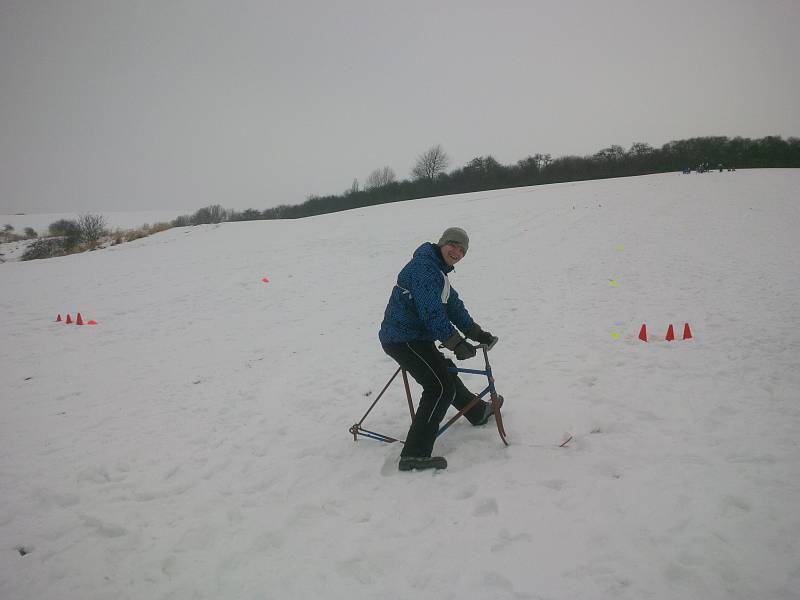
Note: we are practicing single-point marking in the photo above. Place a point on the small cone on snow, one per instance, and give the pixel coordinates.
(643, 333)
(265, 280)
(79, 320)
(58, 318)
(92, 322)
(670, 333)
(69, 319)
(687, 333)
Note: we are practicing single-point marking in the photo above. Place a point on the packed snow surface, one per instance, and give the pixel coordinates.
(194, 443)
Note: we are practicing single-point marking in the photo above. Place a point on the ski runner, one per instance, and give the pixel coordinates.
(423, 307)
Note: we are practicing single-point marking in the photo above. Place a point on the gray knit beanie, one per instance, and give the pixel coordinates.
(455, 235)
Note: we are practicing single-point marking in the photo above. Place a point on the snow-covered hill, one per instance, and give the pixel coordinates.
(194, 443)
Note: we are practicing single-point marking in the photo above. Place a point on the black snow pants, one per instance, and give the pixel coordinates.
(440, 389)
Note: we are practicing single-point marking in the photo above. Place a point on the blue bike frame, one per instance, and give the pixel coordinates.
(490, 389)
(357, 429)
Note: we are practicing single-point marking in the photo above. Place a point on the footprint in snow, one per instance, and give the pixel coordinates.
(467, 492)
(555, 484)
(505, 539)
(486, 507)
(734, 505)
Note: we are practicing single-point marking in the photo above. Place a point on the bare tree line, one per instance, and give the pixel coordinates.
(429, 176)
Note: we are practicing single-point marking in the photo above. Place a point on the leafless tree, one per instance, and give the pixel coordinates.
(92, 228)
(209, 214)
(612, 153)
(182, 221)
(431, 163)
(640, 149)
(379, 178)
(543, 160)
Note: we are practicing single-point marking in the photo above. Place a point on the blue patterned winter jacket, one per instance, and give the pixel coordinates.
(423, 306)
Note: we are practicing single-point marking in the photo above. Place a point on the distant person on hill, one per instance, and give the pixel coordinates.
(423, 308)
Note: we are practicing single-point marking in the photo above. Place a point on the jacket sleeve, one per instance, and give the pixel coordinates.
(457, 312)
(427, 284)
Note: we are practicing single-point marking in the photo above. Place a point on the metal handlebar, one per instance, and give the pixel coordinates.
(487, 347)
(490, 346)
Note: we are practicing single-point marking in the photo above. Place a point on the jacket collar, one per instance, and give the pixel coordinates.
(432, 251)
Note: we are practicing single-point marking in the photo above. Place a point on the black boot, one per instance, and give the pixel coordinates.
(488, 412)
(418, 448)
(420, 439)
(407, 463)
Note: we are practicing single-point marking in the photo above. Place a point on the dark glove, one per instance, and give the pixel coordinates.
(460, 346)
(479, 335)
(464, 350)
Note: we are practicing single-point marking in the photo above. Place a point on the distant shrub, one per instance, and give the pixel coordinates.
(60, 227)
(182, 221)
(72, 237)
(120, 236)
(92, 228)
(68, 230)
(210, 214)
(88, 232)
(44, 248)
(135, 234)
(249, 214)
(30, 233)
(159, 227)
(7, 235)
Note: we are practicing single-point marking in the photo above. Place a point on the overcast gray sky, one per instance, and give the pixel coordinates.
(150, 104)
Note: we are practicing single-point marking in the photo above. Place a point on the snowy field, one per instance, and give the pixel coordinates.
(194, 444)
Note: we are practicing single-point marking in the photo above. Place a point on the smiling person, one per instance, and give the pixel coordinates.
(424, 307)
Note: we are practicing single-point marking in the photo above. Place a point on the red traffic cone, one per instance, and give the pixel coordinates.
(92, 322)
(58, 318)
(643, 333)
(79, 320)
(670, 333)
(69, 319)
(687, 333)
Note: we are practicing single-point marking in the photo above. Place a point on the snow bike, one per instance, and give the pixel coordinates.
(357, 428)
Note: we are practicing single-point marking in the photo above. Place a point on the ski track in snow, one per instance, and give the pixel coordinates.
(194, 444)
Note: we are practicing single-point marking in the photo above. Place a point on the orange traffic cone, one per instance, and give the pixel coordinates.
(687, 333)
(670, 333)
(58, 318)
(69, 319)
(79, 320)
(643, 333)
